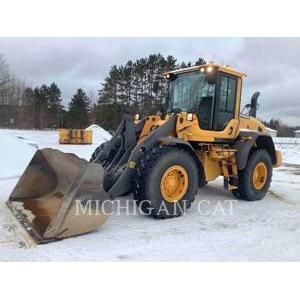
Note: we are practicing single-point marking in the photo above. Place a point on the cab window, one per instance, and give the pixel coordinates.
(226, 105)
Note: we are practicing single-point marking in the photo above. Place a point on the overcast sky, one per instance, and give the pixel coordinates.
(272, 64)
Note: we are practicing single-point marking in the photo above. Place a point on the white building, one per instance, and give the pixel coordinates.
(272, 132)
(297, 133)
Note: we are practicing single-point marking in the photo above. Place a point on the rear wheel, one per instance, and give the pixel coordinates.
(166, 182)
(254, 181)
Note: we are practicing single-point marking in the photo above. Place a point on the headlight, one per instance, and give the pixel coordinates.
(189, 117)
(136, 117)
(209, 69)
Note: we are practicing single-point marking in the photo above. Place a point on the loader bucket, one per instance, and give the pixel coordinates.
(59, 195)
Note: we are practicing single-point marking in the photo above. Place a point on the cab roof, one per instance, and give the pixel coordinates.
(223, 68)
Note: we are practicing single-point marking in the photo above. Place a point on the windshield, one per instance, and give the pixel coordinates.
(188, 91)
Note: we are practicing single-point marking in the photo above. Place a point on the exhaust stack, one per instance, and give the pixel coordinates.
(253, 105)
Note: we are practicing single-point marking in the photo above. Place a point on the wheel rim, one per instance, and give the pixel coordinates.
(259, 176)
(174, 183)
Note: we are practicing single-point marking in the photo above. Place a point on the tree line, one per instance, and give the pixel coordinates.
(128, 88)
(282, 129)
(134, 87)
(40, 107)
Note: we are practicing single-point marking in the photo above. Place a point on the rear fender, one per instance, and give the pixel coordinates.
(247, 141)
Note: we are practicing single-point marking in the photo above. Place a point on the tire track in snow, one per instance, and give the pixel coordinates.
(282, 199)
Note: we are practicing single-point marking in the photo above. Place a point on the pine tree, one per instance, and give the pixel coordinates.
(40, 107)
(200, 61)
(77, 116)
(109, 115)
(129, 87)
(55, 106)
(108, 93)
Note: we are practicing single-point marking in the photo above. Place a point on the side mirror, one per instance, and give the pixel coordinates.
(155, 86)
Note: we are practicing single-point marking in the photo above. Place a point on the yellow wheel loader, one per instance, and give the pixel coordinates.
(162, 159)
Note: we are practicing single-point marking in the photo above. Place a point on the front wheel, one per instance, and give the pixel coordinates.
(254, 181)
(97, 156)
(166, 182)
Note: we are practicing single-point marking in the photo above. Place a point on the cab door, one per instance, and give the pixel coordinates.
(225, 107)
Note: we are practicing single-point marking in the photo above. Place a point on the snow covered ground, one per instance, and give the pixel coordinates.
(290, 148)
(227, 230)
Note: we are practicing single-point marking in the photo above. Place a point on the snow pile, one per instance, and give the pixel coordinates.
(100, 135)
(286, 140)
(14, 156)
(290, 148)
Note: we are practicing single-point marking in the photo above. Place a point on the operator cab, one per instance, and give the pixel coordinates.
(211, 91)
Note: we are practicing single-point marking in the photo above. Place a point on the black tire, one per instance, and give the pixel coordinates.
(111, 176)
(246, 189)
(150, 170)
(95, 155)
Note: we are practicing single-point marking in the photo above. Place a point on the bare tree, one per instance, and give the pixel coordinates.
(5, 79)
(11, 95)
